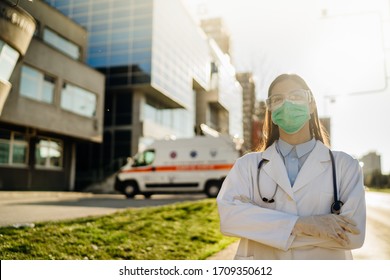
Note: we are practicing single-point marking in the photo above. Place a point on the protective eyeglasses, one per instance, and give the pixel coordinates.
(299, 96)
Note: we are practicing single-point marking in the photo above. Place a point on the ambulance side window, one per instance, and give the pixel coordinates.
(149, 157)
(144, 158)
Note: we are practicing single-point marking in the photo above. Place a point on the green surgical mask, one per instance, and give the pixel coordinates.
(291, 117)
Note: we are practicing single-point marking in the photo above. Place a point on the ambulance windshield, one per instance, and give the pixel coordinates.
(144, 158)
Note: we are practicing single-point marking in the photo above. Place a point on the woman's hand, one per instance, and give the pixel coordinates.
(329, 226)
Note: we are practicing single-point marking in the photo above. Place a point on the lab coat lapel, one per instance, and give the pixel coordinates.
(276, 169)
(313, 166)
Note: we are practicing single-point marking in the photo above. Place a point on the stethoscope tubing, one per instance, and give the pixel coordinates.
(336, 205)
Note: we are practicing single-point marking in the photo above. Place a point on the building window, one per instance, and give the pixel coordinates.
(61, 44)
(8, 59)
(13, 148)
(48, 153)
(78, 100)
(36, 85)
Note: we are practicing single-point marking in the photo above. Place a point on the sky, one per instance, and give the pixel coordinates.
(341, 48)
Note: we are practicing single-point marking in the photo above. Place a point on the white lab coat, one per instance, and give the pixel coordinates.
(265, 229)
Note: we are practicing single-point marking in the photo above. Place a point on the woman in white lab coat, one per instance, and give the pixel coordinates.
(282, 210)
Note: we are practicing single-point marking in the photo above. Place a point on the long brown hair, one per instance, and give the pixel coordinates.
(271, 130)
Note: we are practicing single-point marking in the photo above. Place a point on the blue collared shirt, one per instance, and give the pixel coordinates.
(294, 156)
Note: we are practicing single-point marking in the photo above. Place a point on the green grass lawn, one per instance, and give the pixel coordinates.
(185, 231)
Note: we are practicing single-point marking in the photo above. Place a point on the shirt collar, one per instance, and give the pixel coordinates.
(301, 149)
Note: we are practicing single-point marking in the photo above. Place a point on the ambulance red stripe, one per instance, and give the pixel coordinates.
(169, 168)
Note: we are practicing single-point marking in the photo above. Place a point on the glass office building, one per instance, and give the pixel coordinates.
(156, 60)
(140, 46)
(164, 51)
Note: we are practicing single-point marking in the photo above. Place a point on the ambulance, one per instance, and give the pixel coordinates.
(189, 165)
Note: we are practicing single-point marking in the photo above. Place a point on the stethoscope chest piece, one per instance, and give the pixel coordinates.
(336, 207)
(268, 200)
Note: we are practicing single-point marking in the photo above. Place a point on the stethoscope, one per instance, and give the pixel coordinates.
(336, 205)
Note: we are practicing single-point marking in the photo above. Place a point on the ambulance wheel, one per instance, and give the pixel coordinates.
(212, 188)
(130, 189)
(147, 195)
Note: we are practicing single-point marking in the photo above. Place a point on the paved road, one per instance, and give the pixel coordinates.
(377, 242)
(18, 208)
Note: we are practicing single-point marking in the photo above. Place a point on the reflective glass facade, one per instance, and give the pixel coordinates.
(180, 55)
(119, 31)
(180, 52)
(150, 42)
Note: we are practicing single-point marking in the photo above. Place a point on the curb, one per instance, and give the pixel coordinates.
(226, 254)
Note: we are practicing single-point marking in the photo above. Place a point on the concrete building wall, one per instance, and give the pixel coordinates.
(50, 117)
(16, 30)
(49, 17)
(40, 139)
